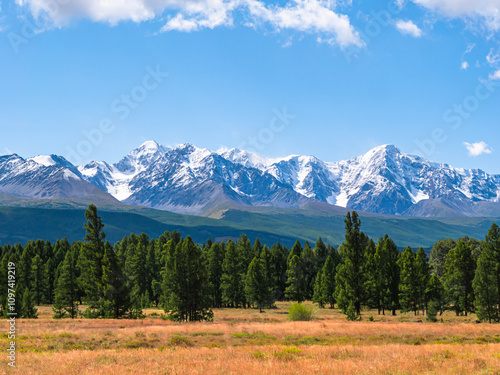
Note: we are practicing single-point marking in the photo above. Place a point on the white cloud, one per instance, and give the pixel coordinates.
(409, 28)
(487, 10)
(307, 16)
(478, 148)
(465, 65)
(493, 58)
(495, 76)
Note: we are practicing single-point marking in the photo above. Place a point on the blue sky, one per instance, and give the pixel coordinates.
(326, 78)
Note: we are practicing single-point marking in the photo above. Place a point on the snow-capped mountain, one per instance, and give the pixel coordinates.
(45, 177)
(188, 179)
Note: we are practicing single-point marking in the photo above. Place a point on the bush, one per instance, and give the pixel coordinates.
(299, 312)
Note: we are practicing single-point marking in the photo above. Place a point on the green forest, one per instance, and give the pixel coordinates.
(94, 279)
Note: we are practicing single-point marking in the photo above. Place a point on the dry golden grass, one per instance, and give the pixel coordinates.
(239, 341)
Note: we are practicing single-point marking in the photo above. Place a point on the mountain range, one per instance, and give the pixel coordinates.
(197, 181)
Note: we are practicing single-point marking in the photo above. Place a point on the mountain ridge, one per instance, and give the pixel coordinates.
(187, 179)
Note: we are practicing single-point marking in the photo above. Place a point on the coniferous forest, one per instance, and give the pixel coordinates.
(95, 279)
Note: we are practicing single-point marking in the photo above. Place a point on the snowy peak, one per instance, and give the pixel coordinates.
(189, 179)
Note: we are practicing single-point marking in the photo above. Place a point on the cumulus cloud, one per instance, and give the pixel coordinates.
(309, 16)
(478, 148)
(465, 65)
(495, 76)
(488, 10)
(409, 28)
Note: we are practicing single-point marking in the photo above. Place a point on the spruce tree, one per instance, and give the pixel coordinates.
(232, 282)
(257, 289)
(215, 259)
(189, 295)
(486, 287)
(328, 282)
(492, 241)
(66, 291)
(435, 293)
(458, 277)
(351, 278)
(295, 280)
(309, 268)
(29, 310)
(422, 273)
(408, 288)
(320, 253)
(116, 300)
(38, 279)
(438, 255)
(318, 296)
(90, 261)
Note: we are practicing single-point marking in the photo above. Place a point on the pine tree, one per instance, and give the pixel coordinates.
(422, 274)
(23, 268)
(392, 273)
(49, 273)
(138, 273)
(320, 253)
(328, 282)
(232, 282)
(309, 268)
(29, 310)
(189, 295)
(408, 288)
(66, 291)
(351, 278)
(257, 289)
(318, 296)
(90, 261)
(458, 277)
(295, 250)
(116, 301)
(435, 293)
(438, 255)
(295, 280)
(486, 287)
(38, 279)
(492, 241)
(278, 270)
(215, 259)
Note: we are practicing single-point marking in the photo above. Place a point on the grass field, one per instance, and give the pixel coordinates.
(243, 341)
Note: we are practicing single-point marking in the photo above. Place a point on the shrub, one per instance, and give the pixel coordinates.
(299, 312)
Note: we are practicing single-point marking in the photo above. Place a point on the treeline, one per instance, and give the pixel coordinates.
(188, 280)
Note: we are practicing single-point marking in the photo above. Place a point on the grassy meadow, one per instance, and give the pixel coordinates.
(242, 341)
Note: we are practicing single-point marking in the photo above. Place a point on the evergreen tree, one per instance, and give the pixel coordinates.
(90, 261)
(422, 274)
(38, 279)
(138, 274)
(23, 268)
(309, 268)
(49, 273)
(458, 277)
(328, 282)
(257, 289)
(189, 300)
(408, 288)
(278, 270)
(295, 250)
(232, 282)
(116, 300)
(486, 287)
(438, 255)
(66, 291)
(350, 281)
(435, 293)
(295, 280)
(320, 253)
(29, 310)
(215, 259)
(492, 242)
(318, 296)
